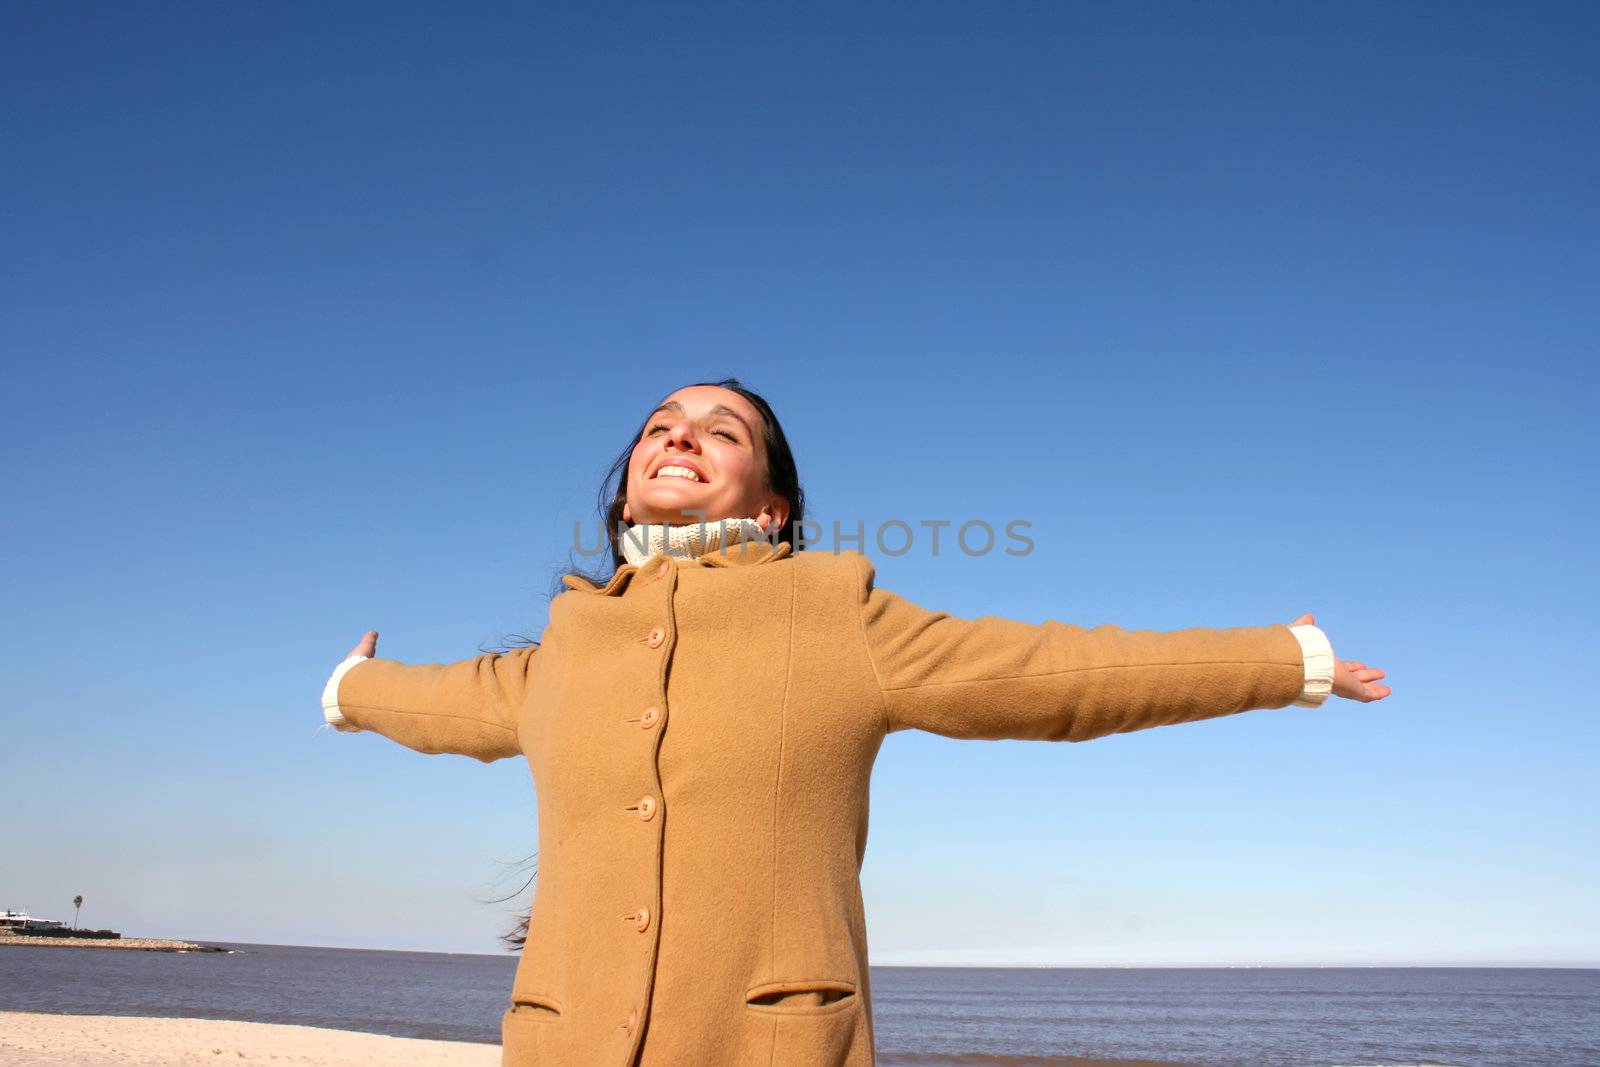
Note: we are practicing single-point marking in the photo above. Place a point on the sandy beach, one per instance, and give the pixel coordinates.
(32, 1039)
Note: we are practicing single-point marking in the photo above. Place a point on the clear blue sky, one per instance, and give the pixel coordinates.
(323, 320)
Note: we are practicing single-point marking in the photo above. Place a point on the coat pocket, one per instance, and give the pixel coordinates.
(803, 997)
(533, 1006)
(531, 1030)
(809, 1021)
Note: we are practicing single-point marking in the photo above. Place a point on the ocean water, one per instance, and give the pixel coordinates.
(925, 1016)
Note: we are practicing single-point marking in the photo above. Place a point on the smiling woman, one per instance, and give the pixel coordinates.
(701, 726)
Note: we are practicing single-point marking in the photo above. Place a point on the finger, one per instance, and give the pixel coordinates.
(1377, 692)
(1305, 620)
(1353, 665)
(1369, 674)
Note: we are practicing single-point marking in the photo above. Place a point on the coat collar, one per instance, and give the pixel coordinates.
(744, 554)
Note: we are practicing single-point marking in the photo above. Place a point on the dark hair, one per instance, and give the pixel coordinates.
(783, 478)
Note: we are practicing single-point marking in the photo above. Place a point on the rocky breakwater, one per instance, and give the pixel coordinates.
(144, 944)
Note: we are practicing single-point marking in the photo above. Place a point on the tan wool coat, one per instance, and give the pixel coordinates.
(701, 733)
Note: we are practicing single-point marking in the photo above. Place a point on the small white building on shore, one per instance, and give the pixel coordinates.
(21, 921)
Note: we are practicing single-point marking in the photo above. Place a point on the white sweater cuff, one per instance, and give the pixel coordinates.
(330, 697)
(1319, 665)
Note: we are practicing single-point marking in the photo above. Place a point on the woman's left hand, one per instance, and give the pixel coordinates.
(1352, 680)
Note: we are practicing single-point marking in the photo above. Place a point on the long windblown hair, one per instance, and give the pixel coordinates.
(783, 478)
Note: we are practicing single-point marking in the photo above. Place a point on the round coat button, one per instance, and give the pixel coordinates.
(657, 636)
(647, 808)
(633, 1020)
(664, 570)
(641, 919)
(651, 716)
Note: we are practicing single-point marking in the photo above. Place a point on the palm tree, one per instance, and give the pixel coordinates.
(77, 906)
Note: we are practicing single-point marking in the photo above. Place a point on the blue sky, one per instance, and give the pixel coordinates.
(321, 321)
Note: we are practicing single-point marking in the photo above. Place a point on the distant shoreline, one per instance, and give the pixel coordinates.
(134, 944)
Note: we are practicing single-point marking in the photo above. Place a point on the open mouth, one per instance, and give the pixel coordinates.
(678, 470)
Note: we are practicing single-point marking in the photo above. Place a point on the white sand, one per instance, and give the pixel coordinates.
(30, 1039)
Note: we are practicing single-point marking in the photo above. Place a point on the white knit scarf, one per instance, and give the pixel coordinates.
(643, 540)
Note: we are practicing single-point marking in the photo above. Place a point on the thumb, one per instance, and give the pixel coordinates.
(367, 646)
(1305, 620)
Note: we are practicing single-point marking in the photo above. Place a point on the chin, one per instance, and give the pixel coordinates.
(675, 500)
(678, 511)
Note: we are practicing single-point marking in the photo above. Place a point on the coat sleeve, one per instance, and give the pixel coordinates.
(997, 678)
(468, 707)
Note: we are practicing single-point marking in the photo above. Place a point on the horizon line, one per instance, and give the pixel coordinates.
(1437, 965)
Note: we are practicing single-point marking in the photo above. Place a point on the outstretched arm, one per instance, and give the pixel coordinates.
(992, 677)
(468, 707)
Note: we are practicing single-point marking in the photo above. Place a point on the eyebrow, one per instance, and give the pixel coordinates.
(716, 409)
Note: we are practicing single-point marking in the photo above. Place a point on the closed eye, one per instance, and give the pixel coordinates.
(653, 427)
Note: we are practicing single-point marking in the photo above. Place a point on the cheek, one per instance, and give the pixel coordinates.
(743, 476)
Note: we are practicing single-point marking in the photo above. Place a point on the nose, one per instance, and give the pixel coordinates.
(680, 436)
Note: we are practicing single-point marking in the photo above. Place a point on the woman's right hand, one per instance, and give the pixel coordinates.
(367, 646)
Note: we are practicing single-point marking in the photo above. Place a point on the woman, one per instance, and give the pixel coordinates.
(701, 728)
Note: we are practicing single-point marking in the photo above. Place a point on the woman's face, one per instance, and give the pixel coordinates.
(701, 457)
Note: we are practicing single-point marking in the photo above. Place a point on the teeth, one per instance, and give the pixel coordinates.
(677, 472)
